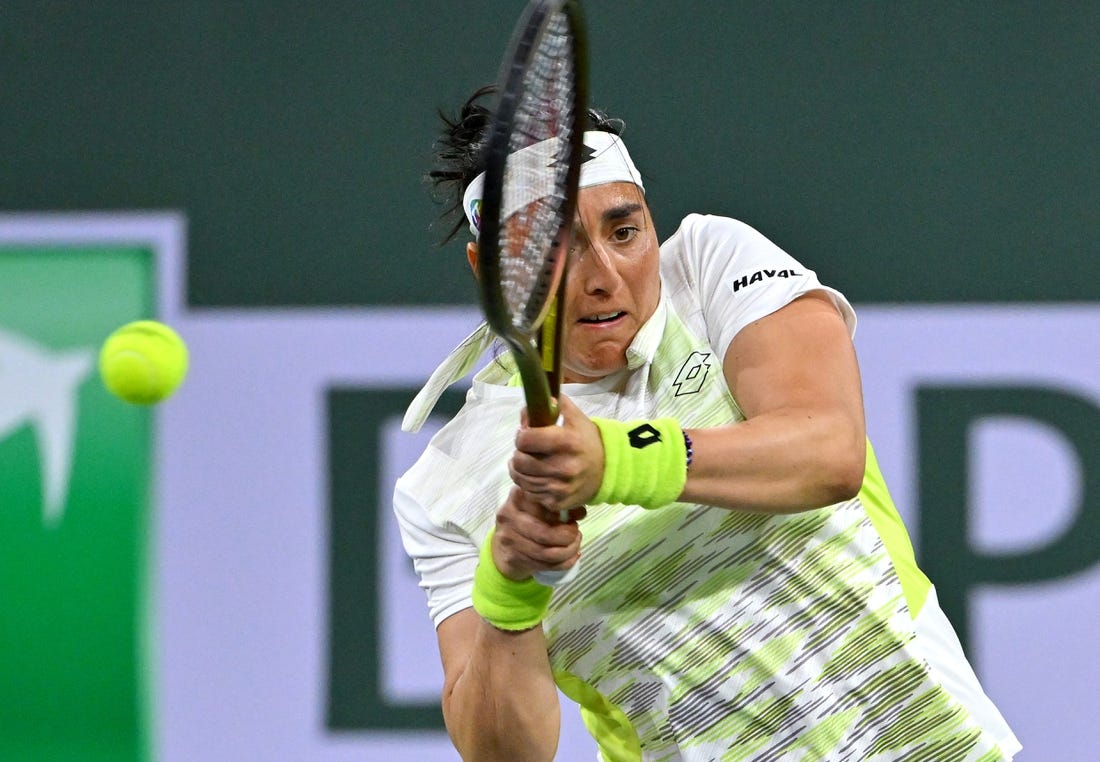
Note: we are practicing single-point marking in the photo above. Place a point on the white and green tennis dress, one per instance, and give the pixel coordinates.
(699, 633)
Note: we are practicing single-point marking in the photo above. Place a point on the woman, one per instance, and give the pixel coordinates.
(747, 589)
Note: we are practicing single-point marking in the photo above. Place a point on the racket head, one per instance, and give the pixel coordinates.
(532, 167)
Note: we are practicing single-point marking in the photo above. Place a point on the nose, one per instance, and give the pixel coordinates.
(595, 270)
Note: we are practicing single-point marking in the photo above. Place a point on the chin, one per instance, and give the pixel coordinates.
(579, 375)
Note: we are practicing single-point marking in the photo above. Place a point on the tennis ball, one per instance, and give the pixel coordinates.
(143, 362)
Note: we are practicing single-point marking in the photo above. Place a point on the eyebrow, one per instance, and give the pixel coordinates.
(621, 211)
(611, 214)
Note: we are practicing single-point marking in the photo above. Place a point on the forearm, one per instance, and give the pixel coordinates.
(783, 461)
(504, 703)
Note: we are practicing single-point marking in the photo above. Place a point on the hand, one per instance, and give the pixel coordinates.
(559, 467)
(530, 538)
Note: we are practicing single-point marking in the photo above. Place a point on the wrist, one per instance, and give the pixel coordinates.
(505, 603)
(645, 462)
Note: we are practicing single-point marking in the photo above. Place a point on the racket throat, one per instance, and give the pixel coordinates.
(549, 345)
(541, 409)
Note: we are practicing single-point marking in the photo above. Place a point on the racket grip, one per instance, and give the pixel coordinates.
(555, 578)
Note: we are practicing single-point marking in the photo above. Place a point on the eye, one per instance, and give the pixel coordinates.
(624, 234)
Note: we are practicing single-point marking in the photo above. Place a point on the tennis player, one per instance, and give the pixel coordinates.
(741, 585)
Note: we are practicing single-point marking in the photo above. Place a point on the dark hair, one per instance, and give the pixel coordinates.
(458, 154)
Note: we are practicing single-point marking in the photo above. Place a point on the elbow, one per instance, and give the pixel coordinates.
(845, 486)
(846, 471)
(479, 733)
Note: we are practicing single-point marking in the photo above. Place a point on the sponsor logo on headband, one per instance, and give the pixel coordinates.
(474, 213)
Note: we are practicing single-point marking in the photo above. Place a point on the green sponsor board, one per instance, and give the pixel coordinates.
(74, 496)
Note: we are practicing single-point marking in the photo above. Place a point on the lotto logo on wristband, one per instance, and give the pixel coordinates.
(643, 436)
(635, 473)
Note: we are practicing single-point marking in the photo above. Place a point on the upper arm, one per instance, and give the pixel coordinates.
(444, 556)
(455, 635)
(799, 357)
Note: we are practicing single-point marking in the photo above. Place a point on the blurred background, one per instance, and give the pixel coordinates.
(220, 578)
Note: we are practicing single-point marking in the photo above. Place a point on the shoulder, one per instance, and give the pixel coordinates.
(699, 231)
(709, 250)
(707, 246)
(730, 274)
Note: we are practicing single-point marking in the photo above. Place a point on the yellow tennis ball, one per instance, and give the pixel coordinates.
(143, 362)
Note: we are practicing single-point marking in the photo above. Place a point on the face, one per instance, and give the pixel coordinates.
(613, 280)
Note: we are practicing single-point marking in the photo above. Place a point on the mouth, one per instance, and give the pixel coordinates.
(601, 317)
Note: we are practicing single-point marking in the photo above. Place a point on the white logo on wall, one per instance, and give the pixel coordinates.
(38, 387)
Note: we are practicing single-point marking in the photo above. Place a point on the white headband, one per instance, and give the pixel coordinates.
(605, 161)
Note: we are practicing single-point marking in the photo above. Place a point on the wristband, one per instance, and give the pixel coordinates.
(505, 603)
(645, 462)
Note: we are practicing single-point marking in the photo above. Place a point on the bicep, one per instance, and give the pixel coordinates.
(800, 356)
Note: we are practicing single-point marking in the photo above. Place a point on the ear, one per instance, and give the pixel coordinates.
(471, 255)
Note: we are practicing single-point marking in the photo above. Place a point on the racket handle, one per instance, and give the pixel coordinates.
(555, 578)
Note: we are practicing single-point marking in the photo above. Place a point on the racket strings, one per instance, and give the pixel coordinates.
(531, 226)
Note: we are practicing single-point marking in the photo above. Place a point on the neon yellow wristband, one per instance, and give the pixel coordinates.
(505, 603)
(645, 462)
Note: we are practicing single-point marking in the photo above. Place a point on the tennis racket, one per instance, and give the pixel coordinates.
(532, 166)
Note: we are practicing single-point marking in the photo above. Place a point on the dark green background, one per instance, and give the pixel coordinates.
(908, 151)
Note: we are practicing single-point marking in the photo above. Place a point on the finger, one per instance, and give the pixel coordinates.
(533, 520)
(529, 465)
(518, 560)
(549, 499)
(539, 440)
(556, 460)
(542, 497)
(535, 556)
(564, 566)
(537, 545)
(572, 415)
(549, 489)
(531, 501)
(544, 529)
(568, 408)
